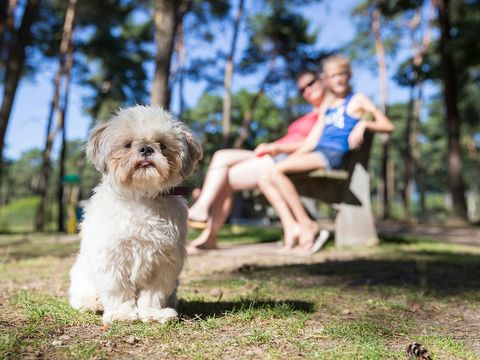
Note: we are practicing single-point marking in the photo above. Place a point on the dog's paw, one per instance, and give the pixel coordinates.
(160, 315)
(113, 315)
(86, 304)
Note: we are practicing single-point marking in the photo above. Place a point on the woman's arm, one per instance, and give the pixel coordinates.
(277, 148)
(380, 124)
(317, 130)
(313, 136)
(287, 147)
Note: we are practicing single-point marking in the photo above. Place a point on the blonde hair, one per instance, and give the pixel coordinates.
(338, 62)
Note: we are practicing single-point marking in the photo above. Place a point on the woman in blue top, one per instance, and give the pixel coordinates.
(336, 132)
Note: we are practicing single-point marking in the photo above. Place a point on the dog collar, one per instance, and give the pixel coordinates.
(176, 190)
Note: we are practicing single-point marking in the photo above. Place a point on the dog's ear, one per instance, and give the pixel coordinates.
(96, 147)
(192, 154)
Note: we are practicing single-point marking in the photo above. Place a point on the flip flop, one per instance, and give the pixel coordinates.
(196, 224)
(321, 239)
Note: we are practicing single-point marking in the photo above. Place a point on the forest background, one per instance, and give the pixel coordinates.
(227, 68)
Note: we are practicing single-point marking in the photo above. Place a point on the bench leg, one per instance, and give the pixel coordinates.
(354, 224)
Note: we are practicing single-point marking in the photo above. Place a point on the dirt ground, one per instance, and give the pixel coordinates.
(445, 318)
(229, 257)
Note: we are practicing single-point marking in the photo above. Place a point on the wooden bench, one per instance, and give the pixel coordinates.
(348, 190)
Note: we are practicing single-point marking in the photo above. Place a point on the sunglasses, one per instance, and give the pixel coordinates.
(310, 83)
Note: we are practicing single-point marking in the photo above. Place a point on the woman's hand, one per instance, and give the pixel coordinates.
(266, 149)
(355, 139)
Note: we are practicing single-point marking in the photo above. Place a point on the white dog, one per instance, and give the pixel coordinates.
(133, 236)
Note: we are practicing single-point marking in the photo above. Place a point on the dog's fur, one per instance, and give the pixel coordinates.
(133, 237)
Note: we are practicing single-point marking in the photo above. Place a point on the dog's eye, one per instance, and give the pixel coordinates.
(162, 146)
(127, 146)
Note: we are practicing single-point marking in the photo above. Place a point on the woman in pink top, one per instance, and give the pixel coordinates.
(236, 169)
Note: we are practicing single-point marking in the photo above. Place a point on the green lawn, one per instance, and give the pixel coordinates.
(366, 303)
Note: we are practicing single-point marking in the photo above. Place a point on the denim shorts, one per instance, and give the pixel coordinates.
(333, 158)
(279, 157)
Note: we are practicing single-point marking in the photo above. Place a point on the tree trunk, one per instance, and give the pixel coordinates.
(55, 111)
(7, 24)
(180, 49)
(422, 193)
(46, 166)
(227, 98)
(408, 165)
(248, 117)
(453, 122)
(166, 21)
(13, 71)
(60, 185)
(63, 150)
(414, 144)
(387, 190)
(3, 20)
(412, 154)
(380, 53)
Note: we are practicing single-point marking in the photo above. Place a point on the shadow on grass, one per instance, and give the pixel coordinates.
(30, 249)
(205, 309)
(437, 273)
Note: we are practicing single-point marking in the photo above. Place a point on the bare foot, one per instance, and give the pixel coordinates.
(200, 245)
(284, 250)
(291, 237)
(197, 214)
(318, 243)
(308, 235)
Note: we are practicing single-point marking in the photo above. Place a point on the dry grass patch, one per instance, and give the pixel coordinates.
(365, 304)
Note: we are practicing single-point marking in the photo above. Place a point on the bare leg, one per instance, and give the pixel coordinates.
(291, 228)
(246, 174)
(278, 179)
(241, 176)
(216, 180)
(220, 209)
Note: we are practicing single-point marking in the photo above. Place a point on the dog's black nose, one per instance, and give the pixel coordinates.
(146, 150)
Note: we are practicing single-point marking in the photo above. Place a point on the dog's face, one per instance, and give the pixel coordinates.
(144, 148)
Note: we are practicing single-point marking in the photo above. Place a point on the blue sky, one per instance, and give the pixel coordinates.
(29, 116)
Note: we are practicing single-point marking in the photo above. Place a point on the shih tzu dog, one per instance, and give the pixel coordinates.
(133, 235)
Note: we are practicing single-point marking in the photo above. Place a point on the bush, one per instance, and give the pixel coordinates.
(19, 216)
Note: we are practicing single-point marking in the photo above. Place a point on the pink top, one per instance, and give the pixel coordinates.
(299, 129)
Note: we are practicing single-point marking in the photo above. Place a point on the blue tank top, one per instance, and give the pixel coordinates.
(338, 125)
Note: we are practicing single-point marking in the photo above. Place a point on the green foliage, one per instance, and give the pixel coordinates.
(119, 79)
(206, 118)
(76, 162)
(113, 44)
(281, 33)
(21, 175)
(21, 184)
(393, 18)
(18, 215)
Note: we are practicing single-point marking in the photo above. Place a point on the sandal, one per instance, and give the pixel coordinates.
(320, 240)
(196, 224)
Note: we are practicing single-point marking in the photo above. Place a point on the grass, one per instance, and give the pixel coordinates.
(362, 304)
(235, 234)
(19, 216)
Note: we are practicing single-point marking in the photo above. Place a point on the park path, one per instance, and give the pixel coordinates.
(234, 257)
(466, 235)
(245, 258)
